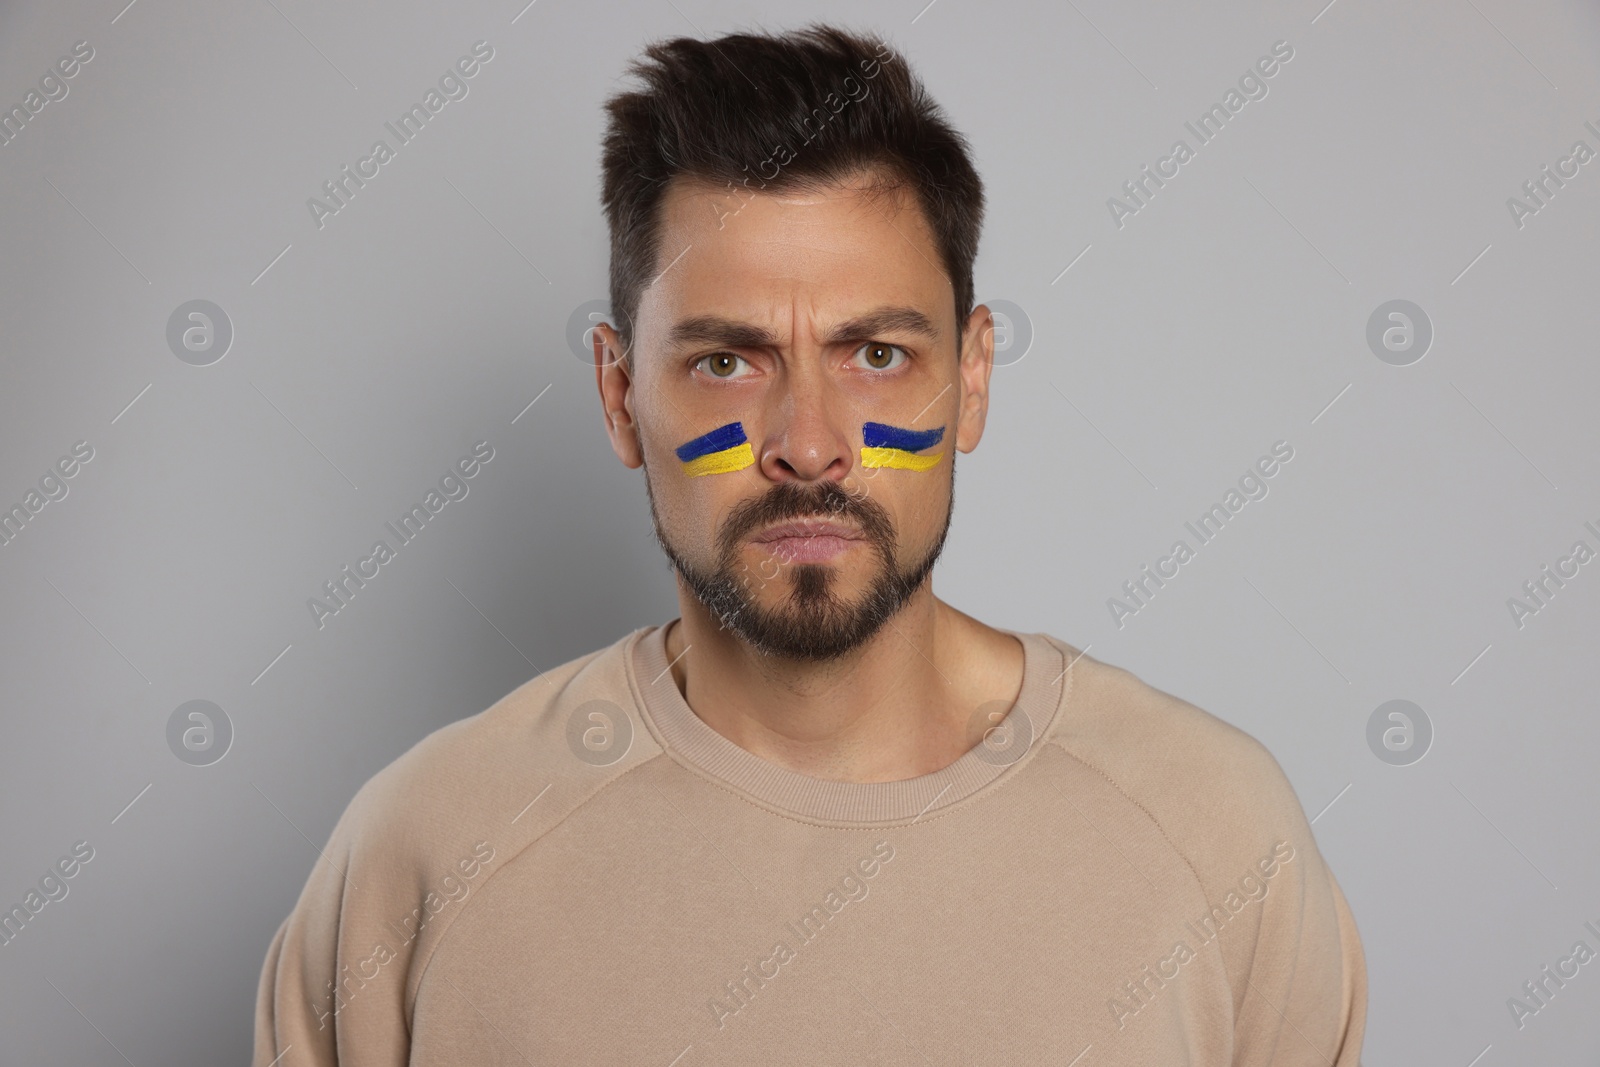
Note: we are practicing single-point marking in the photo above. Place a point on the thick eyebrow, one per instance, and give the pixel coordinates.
(883, 320)
(731, 333)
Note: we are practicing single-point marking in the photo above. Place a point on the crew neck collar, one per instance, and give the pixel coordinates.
(1046, 687)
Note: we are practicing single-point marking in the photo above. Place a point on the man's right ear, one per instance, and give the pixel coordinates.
(614, 378)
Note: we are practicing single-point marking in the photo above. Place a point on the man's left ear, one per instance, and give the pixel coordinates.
(977, 360)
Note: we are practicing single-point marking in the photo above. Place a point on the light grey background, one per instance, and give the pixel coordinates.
(369, 354)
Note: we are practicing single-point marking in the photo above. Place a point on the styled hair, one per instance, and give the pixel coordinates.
(794, 110)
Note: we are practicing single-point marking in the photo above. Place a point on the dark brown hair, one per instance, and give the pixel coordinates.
(779, 111)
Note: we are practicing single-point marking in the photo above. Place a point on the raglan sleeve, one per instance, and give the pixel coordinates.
(1290, 952)
(1304, 999)
(1353, 989)
(332, 986)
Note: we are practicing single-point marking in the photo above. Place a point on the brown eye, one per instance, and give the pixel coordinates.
(879, 356)
(722, 364)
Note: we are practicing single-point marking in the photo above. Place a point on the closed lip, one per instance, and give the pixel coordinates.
(809, 528)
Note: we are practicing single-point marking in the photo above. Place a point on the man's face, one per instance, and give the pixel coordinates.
(800, 317)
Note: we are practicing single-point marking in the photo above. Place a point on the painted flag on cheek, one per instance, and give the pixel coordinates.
(722, 450)
(890, 446)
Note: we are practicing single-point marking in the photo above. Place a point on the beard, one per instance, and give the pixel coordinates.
(812, 621)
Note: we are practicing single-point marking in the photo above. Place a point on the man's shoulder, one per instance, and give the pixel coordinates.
(548, 744)
(1211, 786)
(1222, 802)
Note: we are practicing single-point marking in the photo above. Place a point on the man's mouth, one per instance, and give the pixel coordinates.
(809, 540)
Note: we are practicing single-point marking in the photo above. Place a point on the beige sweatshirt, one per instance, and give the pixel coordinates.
(587, 873)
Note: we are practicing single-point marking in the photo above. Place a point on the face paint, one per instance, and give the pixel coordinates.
(890, 446)
(722, 450)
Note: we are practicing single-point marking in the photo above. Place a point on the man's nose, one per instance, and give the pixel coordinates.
(808, 439)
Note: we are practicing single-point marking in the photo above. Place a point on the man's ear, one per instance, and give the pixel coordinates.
(613, 375)
(977, 360)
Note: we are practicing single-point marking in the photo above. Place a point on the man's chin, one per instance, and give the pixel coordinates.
(803, 634)
(811, 618)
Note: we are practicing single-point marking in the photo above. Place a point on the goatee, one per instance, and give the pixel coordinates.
(812, 622)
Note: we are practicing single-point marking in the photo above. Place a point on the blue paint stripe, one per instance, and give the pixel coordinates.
(723, 437)
(880, 435)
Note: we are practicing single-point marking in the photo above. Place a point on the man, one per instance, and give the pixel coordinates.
(822, 817)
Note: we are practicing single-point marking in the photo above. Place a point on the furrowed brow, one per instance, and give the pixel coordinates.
(731, 333)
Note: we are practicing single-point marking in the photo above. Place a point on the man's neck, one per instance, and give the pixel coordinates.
(904, 704)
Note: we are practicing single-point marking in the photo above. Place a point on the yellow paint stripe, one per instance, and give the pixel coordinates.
(736, 458)
(898, 458)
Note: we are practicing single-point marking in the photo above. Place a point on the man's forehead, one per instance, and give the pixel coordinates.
(747, 220)
(833, 256)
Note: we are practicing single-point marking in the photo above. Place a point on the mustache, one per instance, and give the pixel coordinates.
(791, 500)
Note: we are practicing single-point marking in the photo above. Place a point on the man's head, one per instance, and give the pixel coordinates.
(793, 227)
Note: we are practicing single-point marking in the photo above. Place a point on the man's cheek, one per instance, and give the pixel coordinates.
(723, 450)
(901, 448)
